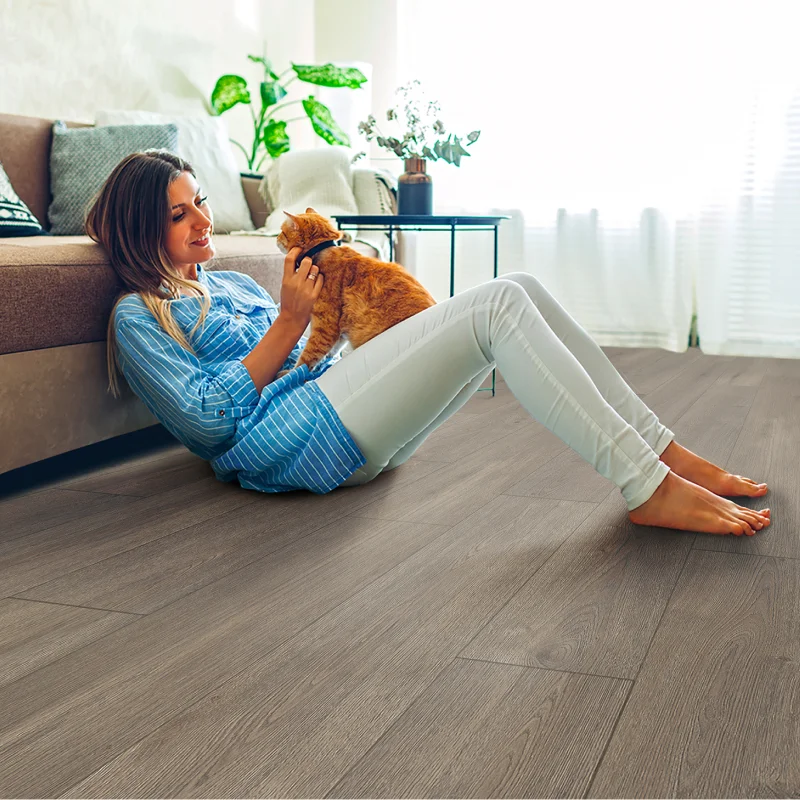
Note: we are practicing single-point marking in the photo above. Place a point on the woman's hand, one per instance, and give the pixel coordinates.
(298, 291)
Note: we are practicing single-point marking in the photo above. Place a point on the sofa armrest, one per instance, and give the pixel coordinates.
(255, 202)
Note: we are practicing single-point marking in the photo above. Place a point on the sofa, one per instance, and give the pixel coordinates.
(56, 294)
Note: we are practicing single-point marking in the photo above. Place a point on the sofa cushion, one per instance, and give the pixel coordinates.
(82, 158)
(60, 291)
(15, 217)
(204, 142)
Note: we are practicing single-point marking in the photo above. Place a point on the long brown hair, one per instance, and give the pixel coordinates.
(129, 218)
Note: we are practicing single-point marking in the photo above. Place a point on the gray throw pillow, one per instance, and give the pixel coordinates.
(82, 158)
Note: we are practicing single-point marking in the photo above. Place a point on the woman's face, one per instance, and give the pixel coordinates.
(189, 227)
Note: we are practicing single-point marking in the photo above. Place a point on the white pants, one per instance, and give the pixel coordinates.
(393, 391)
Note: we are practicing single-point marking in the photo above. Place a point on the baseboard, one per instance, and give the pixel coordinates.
(75, 462)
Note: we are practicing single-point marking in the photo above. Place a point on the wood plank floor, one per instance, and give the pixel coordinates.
(483, 621)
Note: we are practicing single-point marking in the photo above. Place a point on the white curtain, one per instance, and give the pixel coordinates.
(747, 258)
(648, 152)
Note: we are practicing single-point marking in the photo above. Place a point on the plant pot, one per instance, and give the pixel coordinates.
(415, 189)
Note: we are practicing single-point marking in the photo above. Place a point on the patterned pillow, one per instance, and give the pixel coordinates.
(82, 158)
(15, 217)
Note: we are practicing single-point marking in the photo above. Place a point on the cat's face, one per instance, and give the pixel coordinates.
(305, 231)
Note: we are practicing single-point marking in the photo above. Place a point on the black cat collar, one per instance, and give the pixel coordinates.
(318, 248)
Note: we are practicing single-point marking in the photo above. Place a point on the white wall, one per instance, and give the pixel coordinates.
(361, 30)
(69, 58)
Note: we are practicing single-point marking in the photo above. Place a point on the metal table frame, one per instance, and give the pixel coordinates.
(390, 224)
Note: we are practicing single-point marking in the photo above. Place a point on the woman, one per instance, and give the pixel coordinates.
(203, 351)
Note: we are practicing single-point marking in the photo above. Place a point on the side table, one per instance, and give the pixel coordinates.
(392, 223)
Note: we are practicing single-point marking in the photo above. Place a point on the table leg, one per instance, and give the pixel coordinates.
(495, 275)
(391, 243)
(452, 259)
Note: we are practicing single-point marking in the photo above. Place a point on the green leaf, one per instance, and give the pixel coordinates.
(271, 93)
(444, 150)
(328, 75)
(457, 151)
(450, 150)
(323, 123)
(473, 137)
(230, 90)
(263, 61)
(275, 138)
(429, 154)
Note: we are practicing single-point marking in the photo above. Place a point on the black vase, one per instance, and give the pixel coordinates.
(415, 189)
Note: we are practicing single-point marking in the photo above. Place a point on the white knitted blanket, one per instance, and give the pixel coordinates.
(324, 180)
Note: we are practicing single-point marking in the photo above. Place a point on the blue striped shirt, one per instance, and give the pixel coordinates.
(287, 437)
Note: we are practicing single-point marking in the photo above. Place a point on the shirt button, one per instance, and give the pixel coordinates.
(222, 412)
(237, 316)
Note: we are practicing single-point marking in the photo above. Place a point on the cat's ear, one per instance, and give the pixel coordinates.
(310, 211)
(292, 219)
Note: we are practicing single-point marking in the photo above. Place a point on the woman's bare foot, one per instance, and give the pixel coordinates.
(679, 503)
(689, 465)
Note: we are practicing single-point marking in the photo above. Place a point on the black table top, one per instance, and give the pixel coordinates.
(421, 219)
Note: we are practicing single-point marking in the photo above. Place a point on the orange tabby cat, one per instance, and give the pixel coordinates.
(361, 296)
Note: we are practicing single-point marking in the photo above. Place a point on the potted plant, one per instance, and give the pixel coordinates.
(424, 139)
(270, 138)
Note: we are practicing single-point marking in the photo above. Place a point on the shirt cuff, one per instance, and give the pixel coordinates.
(237, 382)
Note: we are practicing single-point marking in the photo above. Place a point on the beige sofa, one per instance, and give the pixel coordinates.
(56, 294)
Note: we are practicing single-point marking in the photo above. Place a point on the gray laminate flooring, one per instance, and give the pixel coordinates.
(482, 622)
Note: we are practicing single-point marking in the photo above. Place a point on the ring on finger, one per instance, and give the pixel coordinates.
(312, 276)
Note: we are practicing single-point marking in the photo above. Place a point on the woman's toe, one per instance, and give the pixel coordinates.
(754, 489)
